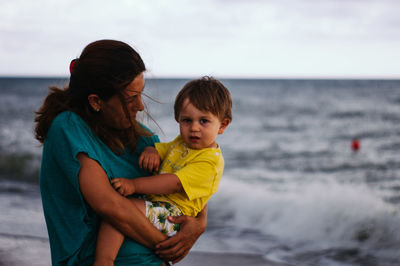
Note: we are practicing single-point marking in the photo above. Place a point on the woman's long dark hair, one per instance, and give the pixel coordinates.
(105, 68)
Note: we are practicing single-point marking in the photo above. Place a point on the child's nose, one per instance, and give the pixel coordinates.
(195, 126)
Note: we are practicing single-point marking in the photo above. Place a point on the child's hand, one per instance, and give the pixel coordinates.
(149, 160)
(124, 186)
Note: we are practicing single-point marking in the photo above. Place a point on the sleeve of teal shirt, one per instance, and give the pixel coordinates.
(72, 136)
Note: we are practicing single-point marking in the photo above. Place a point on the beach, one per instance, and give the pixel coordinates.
(36, 253)
(208, 258)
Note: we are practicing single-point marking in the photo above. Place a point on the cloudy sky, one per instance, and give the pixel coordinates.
(224, 38)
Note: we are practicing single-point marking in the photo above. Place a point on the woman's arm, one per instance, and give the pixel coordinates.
(177, 247)
(112, 207)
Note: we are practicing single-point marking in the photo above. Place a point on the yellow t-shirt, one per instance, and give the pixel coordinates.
(198, 170)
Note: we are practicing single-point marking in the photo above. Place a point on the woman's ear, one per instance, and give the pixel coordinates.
(224, 124)
(95, 102)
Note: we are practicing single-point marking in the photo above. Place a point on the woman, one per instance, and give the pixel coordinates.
(90, 136)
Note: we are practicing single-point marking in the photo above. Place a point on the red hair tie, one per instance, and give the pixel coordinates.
(71, 65)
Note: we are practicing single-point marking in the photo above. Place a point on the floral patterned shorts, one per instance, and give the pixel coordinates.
(157, 213)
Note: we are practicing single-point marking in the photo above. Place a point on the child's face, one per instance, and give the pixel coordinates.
(199, 129)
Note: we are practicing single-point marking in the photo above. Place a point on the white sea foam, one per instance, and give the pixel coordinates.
(323, 214)
(17, 137)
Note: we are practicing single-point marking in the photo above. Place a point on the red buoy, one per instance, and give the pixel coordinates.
(355, 145)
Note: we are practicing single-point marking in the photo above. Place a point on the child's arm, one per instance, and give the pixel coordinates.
(156, 184)
(149, 159)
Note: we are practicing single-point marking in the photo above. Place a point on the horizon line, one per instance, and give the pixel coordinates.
(151, 76)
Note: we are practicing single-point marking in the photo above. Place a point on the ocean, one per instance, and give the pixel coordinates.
(293, 190)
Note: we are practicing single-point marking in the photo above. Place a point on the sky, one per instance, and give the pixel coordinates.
(222, 38)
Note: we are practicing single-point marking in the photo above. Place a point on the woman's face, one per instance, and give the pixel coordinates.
(113, 111)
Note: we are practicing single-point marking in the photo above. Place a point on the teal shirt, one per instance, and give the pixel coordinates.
(71, 223)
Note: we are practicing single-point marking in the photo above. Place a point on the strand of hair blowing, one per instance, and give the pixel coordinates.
(56, 102)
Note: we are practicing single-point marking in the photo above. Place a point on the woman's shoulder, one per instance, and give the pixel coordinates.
(67, 118)
(68, 123)
(70, 133)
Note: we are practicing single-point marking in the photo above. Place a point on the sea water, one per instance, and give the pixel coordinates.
(293, 189)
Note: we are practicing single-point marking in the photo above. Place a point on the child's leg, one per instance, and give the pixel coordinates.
(109, 240)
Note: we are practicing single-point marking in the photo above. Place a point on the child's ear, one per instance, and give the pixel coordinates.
(224, 124)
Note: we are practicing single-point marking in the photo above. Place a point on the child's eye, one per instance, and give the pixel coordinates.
(203, 121)
(186, 120)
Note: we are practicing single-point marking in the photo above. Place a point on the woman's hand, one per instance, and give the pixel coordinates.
(124, 186)
(177, 247)
(149, 160)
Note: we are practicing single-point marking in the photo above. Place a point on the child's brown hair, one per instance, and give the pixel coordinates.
(206, 94)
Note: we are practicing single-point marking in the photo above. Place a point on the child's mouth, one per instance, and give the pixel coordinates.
(194, 139)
